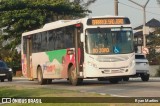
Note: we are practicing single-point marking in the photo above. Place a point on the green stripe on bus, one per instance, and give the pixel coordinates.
(57, 54)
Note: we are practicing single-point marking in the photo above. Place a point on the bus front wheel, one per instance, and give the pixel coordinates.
(41, 81)
(73, 78)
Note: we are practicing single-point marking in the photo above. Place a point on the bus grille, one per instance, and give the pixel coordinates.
(112, 59)
(116, 70)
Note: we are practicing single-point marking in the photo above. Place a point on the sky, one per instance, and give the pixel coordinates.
(128, 9)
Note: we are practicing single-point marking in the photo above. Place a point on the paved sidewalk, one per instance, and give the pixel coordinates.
(151, 78)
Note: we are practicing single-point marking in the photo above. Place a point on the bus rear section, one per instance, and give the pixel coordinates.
(53, 52)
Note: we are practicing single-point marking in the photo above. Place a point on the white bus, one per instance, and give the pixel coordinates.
(97, 47)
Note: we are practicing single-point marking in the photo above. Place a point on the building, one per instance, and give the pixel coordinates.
(151, 26)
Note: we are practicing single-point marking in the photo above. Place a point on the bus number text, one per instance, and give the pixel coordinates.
(101, 50)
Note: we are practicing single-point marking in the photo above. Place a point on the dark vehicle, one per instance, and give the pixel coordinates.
(5, 72)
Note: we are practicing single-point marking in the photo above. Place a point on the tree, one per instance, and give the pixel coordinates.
(156, 55)
(85, 4)
(154, 47)
(18, 16)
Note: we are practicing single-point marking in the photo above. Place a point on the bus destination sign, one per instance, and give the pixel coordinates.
(108, 21)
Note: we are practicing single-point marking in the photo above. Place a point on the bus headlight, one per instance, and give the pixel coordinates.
(92, 64)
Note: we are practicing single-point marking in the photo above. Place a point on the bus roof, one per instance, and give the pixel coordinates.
(62, 23)
(53, 25)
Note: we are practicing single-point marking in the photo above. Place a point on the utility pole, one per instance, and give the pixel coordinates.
(144, 20)
(116, 7)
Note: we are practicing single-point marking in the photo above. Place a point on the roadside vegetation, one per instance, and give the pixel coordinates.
(87, 104)
(63, 104)
(154, 55)
(158, 72)
(19, 16)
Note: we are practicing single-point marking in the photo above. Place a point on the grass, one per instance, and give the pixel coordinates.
(84, 104)
(61, 104)
(26, 91)
(18, 91)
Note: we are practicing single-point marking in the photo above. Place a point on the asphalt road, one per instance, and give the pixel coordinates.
(133, 88)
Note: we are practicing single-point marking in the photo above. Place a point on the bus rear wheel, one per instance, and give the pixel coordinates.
(41, 81)
(73, 78)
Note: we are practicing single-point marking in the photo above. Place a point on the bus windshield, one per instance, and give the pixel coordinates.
(109, 41)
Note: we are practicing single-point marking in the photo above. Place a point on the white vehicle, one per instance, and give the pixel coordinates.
(97, 47)
(142, 67)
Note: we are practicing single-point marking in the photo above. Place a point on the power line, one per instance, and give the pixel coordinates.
(152, 13)
(152, 7)
(128, 5)
(138, 8)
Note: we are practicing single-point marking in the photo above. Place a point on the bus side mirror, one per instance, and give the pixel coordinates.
(82, 37)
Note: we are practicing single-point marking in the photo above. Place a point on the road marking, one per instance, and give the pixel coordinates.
(118, 95)
(102, 94)
(117, 89)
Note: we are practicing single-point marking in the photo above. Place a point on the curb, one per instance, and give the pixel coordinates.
(19, 78)
(150, 79)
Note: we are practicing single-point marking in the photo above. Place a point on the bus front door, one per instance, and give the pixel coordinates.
(29, 59)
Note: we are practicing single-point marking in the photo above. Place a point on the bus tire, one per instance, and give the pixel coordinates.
(114, 80)
(41, 81)
(72, 75)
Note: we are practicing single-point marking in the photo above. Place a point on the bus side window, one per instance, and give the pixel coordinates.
(61, 39)
(44, 41)
(35, 44)
(24, 45)
(38, 42)
(69, 40)
(58, 39)
(50, 40)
